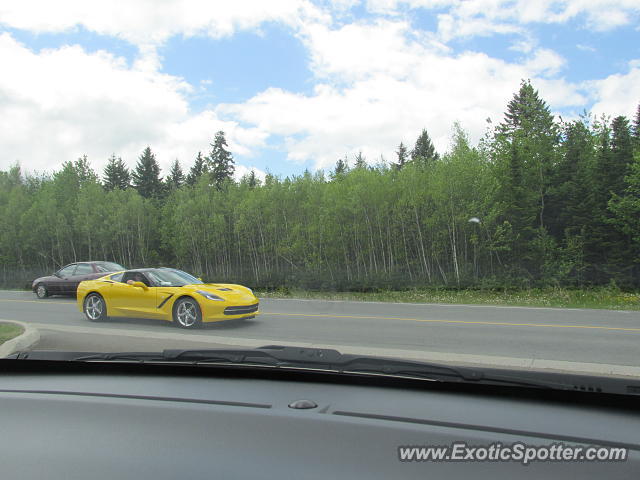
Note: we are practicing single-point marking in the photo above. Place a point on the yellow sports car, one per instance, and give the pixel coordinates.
(164, 294)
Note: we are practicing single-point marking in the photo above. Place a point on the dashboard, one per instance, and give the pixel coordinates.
(120, 421)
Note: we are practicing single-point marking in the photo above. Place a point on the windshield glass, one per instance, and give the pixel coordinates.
(451, 182)
(190, 279)
(166, 278)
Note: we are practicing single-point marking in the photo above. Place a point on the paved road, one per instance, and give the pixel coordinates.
(598, 341)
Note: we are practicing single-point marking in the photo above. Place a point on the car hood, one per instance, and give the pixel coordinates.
(228, 291)
(48, 278)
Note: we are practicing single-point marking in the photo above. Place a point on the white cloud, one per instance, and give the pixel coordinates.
(452, 26)
(487, 17)
(392, 85)
(617, 94)
(59, 104)
(241, 171)
(151, 22)
(378, 82)
(360, 49)
(545, 62)
(585, 48)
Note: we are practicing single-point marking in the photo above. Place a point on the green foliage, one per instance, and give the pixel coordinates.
(360, 161)
(608, 297)
(146, 176)
(176, 178)
(626, 211)
(116, 174)
(9, 331)
(220, 161)
(403, 156)
(198, 169)
(340, 169)
(635, 129)
(424, 150)
(537, 204)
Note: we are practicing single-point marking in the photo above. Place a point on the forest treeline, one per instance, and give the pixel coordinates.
(537, 202)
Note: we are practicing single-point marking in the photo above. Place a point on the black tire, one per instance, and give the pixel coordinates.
(42, 291)
(181, 316)
(94, 308)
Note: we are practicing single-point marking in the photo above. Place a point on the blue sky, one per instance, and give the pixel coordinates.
(296, 84)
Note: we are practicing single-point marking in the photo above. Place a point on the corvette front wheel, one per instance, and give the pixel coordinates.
(186, 313)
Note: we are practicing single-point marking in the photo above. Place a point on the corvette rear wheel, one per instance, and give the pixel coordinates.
(41, 291)
(95, 309)
(186, 313)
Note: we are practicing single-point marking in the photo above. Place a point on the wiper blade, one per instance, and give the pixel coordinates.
(240, 357)
(294, 357)
(334, 361)
(328, 360)
(119, 356)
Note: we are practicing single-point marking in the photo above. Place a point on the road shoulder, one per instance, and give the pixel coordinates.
(29, 337)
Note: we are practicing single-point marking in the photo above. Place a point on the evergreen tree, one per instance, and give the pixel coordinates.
(146, 176)
(621, 153)
(199, 168)
(424, 151)
(571, 197)
(84, 171)
(403, 156)
(340, 169)
(530, 128)
(636, 129)
(116, 174)
(360, 161)
(220, 161)
(175, 179)
(527, 111)
(525, 147)
(626, 209)
(605, 243)
(252, 180)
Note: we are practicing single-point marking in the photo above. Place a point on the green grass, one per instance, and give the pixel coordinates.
(602, 298)
(9, 331)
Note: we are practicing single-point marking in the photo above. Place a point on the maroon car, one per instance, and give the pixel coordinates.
(65, 281)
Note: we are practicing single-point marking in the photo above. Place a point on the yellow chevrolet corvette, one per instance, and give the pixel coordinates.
(164, 294)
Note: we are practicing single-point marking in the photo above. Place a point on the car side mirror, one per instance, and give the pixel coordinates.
(139, 284)
(56, 274)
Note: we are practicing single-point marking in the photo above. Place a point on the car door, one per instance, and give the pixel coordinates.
(82, 272)
(130, 301)
(63, 284)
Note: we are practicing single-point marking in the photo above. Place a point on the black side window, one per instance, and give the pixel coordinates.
(136, 277)
(127, 276)
(67, 271)
(117, 277)
(83, 269)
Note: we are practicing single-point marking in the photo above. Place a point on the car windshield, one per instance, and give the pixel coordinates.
(190, 279)
(452, 182)
(166, 278)
(108, 267)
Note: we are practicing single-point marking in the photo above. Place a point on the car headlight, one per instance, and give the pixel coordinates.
(210, 296)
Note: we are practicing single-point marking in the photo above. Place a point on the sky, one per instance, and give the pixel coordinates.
(295, 84)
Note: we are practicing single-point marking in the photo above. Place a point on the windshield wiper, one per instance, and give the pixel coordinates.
(331, 361)
(328, 360)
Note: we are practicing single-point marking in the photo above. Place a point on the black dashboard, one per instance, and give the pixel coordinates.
(132, 421)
